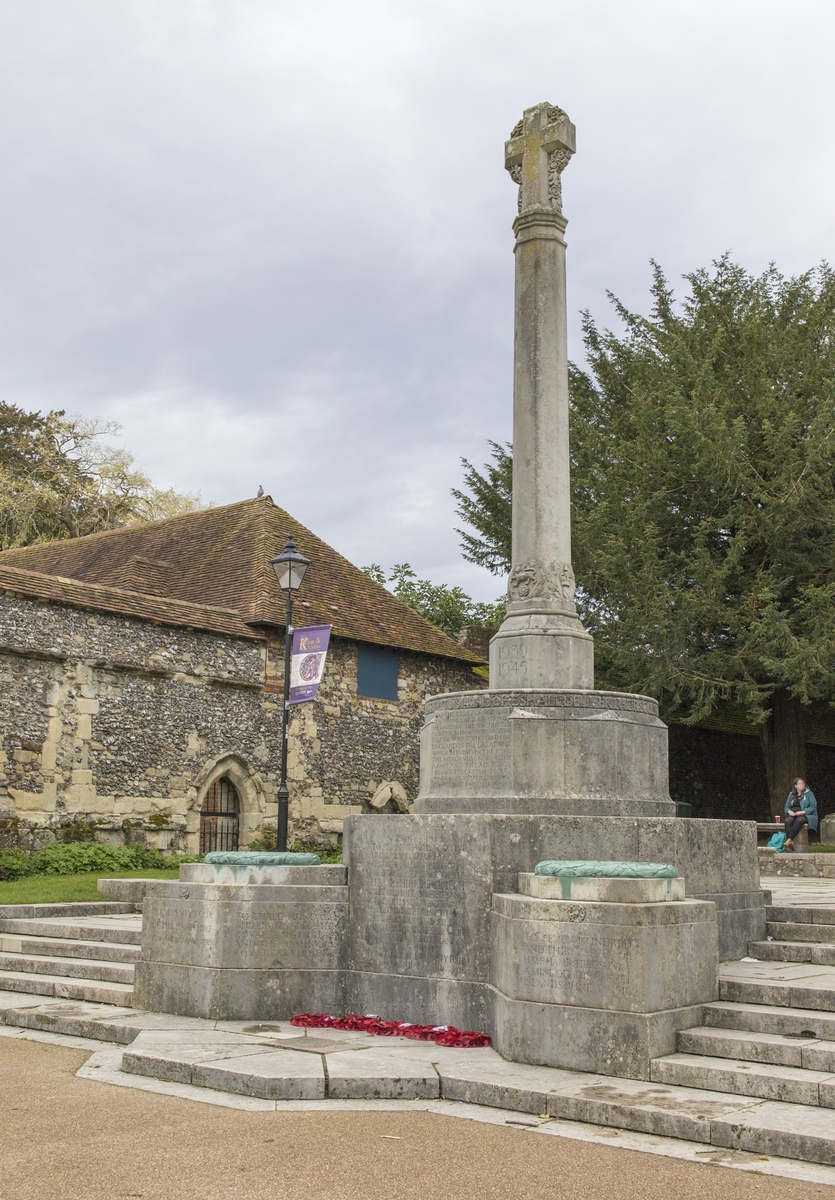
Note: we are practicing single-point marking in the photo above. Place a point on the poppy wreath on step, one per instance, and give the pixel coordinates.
(441, 1035)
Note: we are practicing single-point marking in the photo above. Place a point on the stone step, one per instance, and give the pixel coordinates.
(724, 1120)
(767, 1081)
(715, 1118)
(127, 930)
(70, 968)
(92, 908)
(765, 1018)
(807, 991)
(62, 987)
(806, 915)
(797, 931)
(779, 950)
(13, 943)
(747, 1046)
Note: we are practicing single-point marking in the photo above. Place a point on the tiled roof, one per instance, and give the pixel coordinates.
(219, 557)
(101, 598)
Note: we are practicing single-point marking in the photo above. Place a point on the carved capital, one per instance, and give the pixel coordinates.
(539, 580)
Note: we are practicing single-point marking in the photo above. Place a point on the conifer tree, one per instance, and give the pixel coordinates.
(703, 461)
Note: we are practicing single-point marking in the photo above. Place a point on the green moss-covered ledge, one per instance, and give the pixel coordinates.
(588, 869)
(258, 858)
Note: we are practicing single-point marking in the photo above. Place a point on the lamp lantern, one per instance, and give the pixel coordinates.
(290, 567)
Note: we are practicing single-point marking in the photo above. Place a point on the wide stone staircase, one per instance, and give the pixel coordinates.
(70, 951)
(771, 1034)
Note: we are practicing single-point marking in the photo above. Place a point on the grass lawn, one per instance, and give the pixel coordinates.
(63, 889)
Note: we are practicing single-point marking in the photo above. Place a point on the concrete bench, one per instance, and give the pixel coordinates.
(801, 842)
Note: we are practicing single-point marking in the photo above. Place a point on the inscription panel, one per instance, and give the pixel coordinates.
(467, 755)
(436, 902)
(623, 967)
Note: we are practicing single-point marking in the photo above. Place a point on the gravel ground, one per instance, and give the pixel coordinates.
(63, 1138)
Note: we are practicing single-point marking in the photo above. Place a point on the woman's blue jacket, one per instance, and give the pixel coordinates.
(809, 805)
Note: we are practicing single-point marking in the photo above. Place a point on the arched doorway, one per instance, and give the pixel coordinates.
(220, 817)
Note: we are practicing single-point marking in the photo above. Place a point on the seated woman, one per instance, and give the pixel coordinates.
(801, 809)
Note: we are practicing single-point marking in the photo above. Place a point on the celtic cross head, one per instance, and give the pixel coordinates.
(538, 151)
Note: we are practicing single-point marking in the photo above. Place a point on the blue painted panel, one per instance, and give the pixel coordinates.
(377, 668)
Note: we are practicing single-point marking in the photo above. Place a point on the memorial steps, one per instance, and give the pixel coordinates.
(72, 951)
(265, 1065)
(758, 1074)
(772, 1033)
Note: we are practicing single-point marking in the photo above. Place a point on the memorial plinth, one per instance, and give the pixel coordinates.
(239, 940)
(602, 983)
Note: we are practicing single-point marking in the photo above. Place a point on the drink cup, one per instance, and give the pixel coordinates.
(776, 818)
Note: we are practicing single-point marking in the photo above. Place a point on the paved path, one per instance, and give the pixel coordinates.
(66, 1138)
(791, 890)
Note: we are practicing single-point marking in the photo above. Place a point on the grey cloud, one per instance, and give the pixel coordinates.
(274, 241)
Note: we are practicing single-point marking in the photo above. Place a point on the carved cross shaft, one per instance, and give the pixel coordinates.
(537, 153)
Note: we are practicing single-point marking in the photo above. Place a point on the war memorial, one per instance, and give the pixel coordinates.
(538, 890)
(543, 893)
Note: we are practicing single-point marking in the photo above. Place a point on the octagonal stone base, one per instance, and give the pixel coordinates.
(584, 753)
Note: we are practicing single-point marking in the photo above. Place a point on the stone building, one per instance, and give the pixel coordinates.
(141, 678)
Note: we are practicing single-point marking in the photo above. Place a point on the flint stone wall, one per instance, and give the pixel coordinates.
(113, 728)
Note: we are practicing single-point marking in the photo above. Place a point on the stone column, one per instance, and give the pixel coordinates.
(541, 643)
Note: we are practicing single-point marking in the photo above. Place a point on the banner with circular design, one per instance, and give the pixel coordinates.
(307, 665)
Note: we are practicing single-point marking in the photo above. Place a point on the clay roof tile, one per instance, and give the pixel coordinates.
(218, 559)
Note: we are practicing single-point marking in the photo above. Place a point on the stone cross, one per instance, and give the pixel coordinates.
(541, 643)
(538, 151)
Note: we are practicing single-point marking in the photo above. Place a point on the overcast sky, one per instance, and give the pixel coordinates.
(273, 240)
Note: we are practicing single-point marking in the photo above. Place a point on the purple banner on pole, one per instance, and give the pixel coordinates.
(310, 649)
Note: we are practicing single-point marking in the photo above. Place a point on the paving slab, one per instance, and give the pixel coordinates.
(648, 1107)
(80, 1018)
(492, 1081)
(173, 1055)
(771, 1128)
(266, 1074)
(372, 1074)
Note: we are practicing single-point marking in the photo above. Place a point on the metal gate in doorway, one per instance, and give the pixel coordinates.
(220, 818)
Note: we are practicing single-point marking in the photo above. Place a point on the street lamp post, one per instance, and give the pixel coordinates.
(289, 567)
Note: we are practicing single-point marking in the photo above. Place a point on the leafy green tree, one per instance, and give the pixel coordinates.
(703, 459)
(448, 609)
(60, 477)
